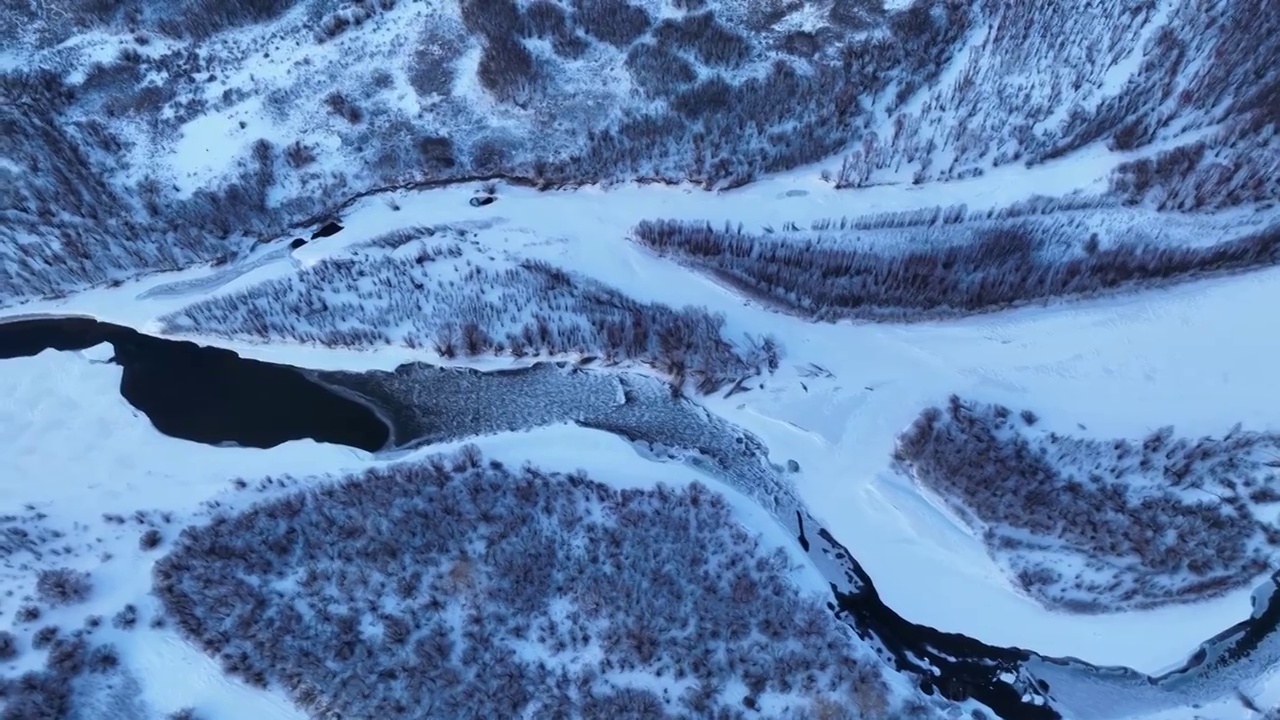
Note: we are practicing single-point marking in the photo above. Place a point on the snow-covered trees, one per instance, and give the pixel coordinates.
(407, 288)
(70, 144)
(725, 95)
(453, 584)
(951, 267)
(1141, 523)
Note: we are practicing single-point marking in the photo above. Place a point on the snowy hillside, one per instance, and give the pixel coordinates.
(196, 130)
(744, 359)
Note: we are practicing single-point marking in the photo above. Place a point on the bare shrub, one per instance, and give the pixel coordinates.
(616, 22)
(436, 152)
(546, 19)
(126, 619)
(491, 154)
(350, 15)
(8, 645)
(434, 64)
(201, 19)
(63, 586)
(45, 637)
(38, 695)
(298, 155)
(532, 308)
(709, 98)
(27, 613)
(869, 693)
(1232, 171)
(68, 656)
(571, 45)
(917, 709)
(854, 14)
(102, 659)
(800, 42)
(341, 106)
(825, 708)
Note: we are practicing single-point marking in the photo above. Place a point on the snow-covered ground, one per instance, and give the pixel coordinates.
(1194, 356)
(78, 452)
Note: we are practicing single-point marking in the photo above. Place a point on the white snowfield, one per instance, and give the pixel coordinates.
(1198, 356)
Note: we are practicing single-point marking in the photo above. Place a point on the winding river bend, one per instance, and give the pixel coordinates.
(213, 396)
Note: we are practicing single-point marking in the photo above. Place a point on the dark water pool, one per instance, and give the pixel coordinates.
(208, 395)
(214, 396)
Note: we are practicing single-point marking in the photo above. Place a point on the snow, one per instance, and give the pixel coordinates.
(1189, 356)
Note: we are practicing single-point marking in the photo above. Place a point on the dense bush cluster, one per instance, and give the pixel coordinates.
(508, 70)
(727, 129)
(657, 70)
(421, 291)
(63, 586)
(704, 38)
(187, 19)
(782, 115)
(351, 15)
(616, 22)
(26, 533)
(435, 55)
(1016, 79)
(1139, 523)
(946, 269)
(1242, 170)
(459, 588)
(76, 679)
